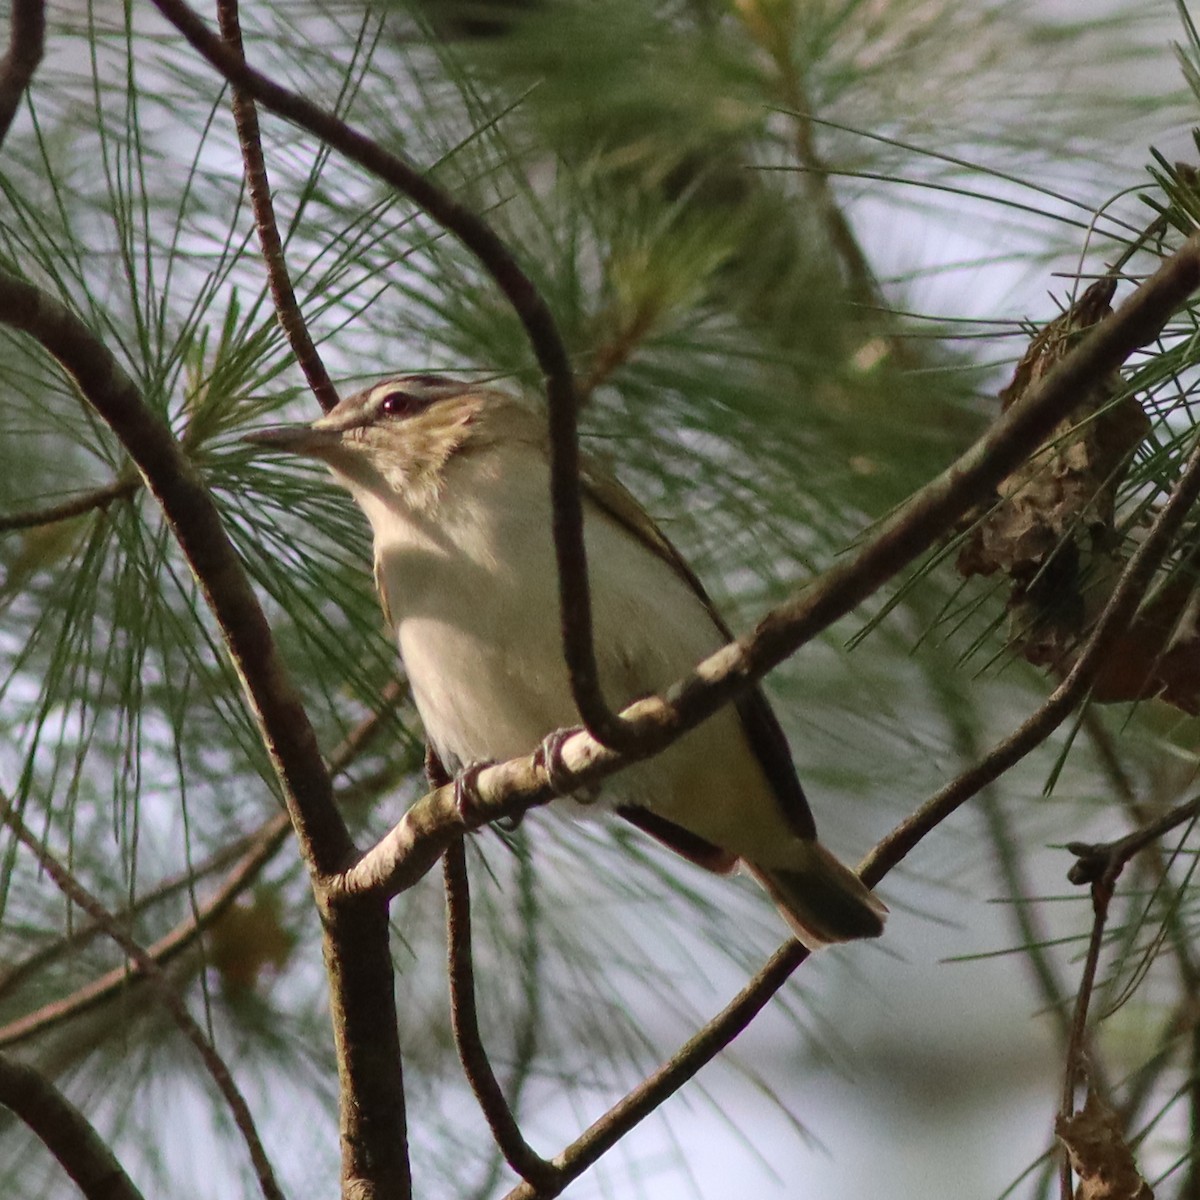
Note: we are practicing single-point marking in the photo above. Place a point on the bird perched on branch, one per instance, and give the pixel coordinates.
(454, 479)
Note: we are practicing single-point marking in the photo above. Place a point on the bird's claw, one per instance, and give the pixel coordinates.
(466, 790)
(548, 756)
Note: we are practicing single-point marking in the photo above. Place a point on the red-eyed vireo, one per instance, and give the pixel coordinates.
(454, 479)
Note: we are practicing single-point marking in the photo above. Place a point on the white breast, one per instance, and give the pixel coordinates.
(472, 590)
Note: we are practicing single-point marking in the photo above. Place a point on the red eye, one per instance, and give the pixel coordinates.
(400, 404)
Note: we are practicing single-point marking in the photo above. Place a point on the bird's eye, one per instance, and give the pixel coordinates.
(401, 404)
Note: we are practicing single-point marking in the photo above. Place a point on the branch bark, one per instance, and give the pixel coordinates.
(374, 1134)
(287, 309)
(27, 41)
(100, 497)
(65, 1131)
(464, 1018)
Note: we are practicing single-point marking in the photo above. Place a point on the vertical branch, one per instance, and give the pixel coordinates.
(356, 931)
(1102, 893)
(287, 309)
(464, 1018)
(1100, 866)
(26, 44)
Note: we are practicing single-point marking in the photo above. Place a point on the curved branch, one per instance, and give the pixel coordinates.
(509, 789)
(287, 309)
(722, 1030)
(70, 886)
(527, 302)
(27, 41)
(65, 1131)
(196, 524)
(362, 1005)
(464, 1018)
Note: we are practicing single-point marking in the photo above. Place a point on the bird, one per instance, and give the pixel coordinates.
(453, 477)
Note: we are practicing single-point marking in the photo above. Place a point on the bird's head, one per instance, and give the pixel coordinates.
(395, 438)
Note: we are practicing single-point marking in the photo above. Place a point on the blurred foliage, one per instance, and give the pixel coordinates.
(794, 247)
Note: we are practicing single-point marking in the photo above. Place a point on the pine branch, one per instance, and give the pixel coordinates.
(366, 1035)
(217, 1069)
(27, 37)
(66, 1132)
(287, 308)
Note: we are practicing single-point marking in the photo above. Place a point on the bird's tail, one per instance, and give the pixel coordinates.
(822, 900)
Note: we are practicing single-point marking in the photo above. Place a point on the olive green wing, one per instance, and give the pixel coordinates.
(763, 731)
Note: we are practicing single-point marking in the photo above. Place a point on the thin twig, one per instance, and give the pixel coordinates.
(1114, 768)
(1113, 620)
(26, 44)
(355, 928)
(508, 789)
(528, 304)
(1102, 893)
(12, 977)
(100, 498)
(464, 1019)
(1098, 859)
(161, 953)
(70, 887)
(66, 1132)
(891, 850)
(255, 851)
(1100, 865)
(696, 1053)
(287, 309)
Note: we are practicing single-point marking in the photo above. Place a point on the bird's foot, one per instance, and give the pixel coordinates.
(549, 756)
(466, 789)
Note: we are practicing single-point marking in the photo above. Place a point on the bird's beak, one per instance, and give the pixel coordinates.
(296, 439)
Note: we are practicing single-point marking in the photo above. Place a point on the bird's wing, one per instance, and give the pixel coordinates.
(762, 729)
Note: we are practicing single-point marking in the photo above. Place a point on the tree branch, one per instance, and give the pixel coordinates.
(1113, 620)
(65, 1131)
(374, 1139)
(1100, 866)
(465, 1021)
(197, 526)
(509, 789)
(162, 952)
(1102, 894)
(1099, 859)
(715, 1036)
(526, 301)
(696, 1053)
(254, 852)
(76, 506)
(70, 886)
(287, 309)
(26, 44)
